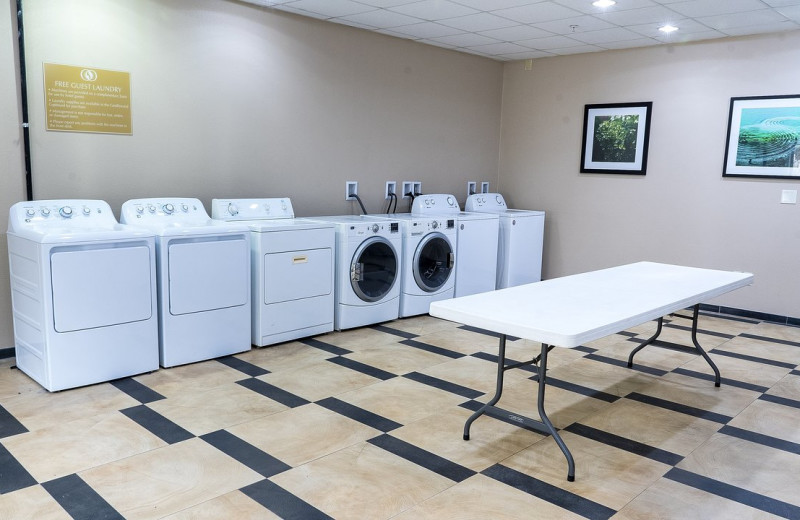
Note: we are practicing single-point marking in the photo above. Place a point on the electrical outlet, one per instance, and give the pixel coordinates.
(408, 187)
(391, 189)
(485, 187)
(417, 188)
(351, 189)
(471, 187)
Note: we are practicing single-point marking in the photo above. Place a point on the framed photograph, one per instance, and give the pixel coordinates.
(615, 138)
(763, 137)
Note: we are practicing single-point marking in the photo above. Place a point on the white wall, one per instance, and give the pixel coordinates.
(233, 100)
(683, 211)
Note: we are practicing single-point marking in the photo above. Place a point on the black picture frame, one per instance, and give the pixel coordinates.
(616, 137)
(763, 139)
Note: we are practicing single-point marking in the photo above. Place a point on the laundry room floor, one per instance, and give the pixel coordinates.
(367, 424)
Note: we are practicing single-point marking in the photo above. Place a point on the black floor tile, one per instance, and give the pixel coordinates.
(358, 366)
(243, 366)
(372, 420)
(252, 457)
(441, 384)
(157, 424)
(622, 443)
(137, 390)
(282, 503)
(13, 475)
(273, 392)
(9, 425)
(79, 500)
(426, 459)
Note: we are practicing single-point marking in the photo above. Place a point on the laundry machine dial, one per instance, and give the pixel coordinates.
(434, 224)
(30, 212)
(45, 212)
(184, 207)
(232, 209)
(151, 208)
(87, 211)
(169, 209)
(65, 212)
(375, 228)
(449, 201)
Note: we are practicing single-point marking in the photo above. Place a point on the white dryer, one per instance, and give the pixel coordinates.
(519, 253)
(203, 269)
(476, 242)
(83, 293)
(429, 261)
(367, 270)
(292, 268)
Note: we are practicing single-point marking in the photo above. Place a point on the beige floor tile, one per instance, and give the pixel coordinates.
(460, 340)
(489, 443)
(601, 376)
(31, 503)
(359, 339)
(168, 480)
(234, 506)
(422, 325)
(651, 356)
(81, 444)
(378, 486)
(671, 431)
(788, 387)
(317, 380)
(773, 330)
(482, 498)
(604, 474)
(402, 400)
(763, 349)
(219, 407)
(727, 400)
(285, 356)
(612, 340)
(733, 327)
(739, 370)
(561, 406)
(474, 373)
(39, 410)
(669, 499)
(303, 434)
(14, 382)
(768, 471)
(397, 358)
(175, 381)
(775, 420)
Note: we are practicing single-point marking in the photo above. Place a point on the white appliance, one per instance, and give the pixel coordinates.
(203, 269)
(519, 253)
(83, 293)
(291, 268)
(429, 261)
(477, 235)
(367, 270)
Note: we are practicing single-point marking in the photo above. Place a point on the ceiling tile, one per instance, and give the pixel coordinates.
(586, 7)
(331, 8)
(518, 32)
(433, 10)
(631, 44)
(653, 14)
(426, 30)
(466, 40)
(381, 18)
(383, 4)
(615, 34)
(581, 23)
(581, 49)
(727, 21)
(493, 5)
(537, 13)
(553, 42)
(499, 48)
(478, 22)
(792, 13)
(697, 8)
(526, 55)
(685, 26)
(762, 28)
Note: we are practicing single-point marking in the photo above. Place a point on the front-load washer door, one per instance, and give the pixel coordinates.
(373, 269)
(208, 275)
(433, 263)
(99, 287)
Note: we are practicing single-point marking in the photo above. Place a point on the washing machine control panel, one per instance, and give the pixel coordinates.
(485, 202)
(435, 204)
(366, 229)
(251, 209)
(156, 210)
(55, 213)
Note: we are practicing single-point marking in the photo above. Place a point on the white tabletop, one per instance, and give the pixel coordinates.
(573, 310)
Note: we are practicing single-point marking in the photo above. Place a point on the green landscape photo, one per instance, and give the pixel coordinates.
(615, 138)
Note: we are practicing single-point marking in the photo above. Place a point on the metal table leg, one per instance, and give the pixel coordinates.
(501, 364)
(649, 340)
(546, 420)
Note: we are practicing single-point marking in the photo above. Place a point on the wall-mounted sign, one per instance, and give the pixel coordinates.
(83, 99)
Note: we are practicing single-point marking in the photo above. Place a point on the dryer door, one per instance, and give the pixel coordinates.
(373, 269)
(433, 262)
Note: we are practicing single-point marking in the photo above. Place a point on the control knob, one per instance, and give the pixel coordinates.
(499, 199)
(375, 228)
(87, 210)
(151, 208)
(45, 212)
(434, 224)
(168, 208)
(65, 212)
(30, 212)
(139, 209)
(232, 209)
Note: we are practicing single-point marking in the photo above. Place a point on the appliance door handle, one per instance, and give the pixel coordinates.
(451, 260)
(357, 272)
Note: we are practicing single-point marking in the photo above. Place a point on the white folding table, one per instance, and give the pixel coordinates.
(570, 311)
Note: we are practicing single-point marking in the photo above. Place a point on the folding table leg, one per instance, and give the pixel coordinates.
(695, 315)
(546, 420)
(647, 342)
(501, 362)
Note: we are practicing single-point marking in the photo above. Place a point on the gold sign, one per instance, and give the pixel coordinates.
(82, 99)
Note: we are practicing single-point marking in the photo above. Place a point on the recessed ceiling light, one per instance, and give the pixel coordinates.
(603, 3)
(667, 28)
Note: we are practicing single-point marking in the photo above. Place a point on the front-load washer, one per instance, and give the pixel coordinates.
(203, 274)
(83, 293)
(519, 252)
(429, 261)
(292, 268)
(476, 242)
(367, 270)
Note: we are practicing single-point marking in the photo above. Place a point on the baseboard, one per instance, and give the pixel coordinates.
(744, 313)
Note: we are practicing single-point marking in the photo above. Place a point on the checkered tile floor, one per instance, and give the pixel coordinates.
(367, 424)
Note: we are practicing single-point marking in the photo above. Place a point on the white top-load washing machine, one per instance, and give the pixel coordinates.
(367, 270)
(203, 269)
(519, 253)
(83, 293)
(429, 260)
(476, 242)
(292, 268)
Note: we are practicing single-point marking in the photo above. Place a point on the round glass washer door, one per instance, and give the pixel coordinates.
(373, 270)
(433, 262)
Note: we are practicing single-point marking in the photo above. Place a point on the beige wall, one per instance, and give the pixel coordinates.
(682, 211)
(232, 100)
(12, 178)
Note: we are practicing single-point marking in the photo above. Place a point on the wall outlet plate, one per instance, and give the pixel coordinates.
(408, 187)
(391, 188)
(350, 189)
(417, 188)
(471, 187)
(485, 187)
(789, 197)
